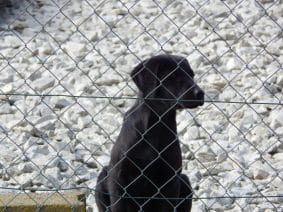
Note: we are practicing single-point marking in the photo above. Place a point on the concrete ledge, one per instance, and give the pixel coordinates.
(43, 202)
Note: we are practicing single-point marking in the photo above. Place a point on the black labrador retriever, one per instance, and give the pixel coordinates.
(144, 173)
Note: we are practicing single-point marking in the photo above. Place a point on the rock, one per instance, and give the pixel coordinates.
(272, 88)
(241, 190)
(91, 163)
(227, 95)
(7, 76)
(46, 122)
(195, 176)
(53, 176)
(45, 49)
(247, 121)
(80, 154)
(205, 154)
(82, 179)
(62, 103)
(259, 170)
(24, 180)
(192, 133)
(223, 203)
(276, 119)
(63, 165)
(27, 167)
(109, 79)
(211, 126)
(232, 64)
(5, 108)
(84, 122)
(12, 41)
(38, 179)
(74, 49)
(62, 134)
(276, 146)
(279, 131)
(222, 11)
(43, 84)
(211, 93)
(217, 81)
(260, 174)
(80, 169)
(278, 156)
(42, 157)
(103, 160)
(7, 88)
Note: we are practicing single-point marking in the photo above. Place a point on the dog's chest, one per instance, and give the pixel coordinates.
(146, 161)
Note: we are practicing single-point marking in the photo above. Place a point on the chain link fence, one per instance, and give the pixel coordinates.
(65, 85)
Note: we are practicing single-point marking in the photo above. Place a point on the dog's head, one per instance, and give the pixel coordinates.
(170, 79)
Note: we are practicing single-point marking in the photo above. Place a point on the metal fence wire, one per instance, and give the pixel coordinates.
(65, 85)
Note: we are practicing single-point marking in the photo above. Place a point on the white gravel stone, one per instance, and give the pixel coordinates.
(205, 154)
(228, 94)
(278, 156)
(7, 88)
(12, 41)
(63, 165)
(216, 81)
(5, 108)
(74, 49)
(27, 167)
(103, 160)
(43, 84)
(192, 133)
(53, 176)
(276, 119)
(25, 180)
(61, 103)
(259, 174)
(41, 158)
(45, 49)
(232, 64)
(46, 122)
(7, 76)
(279, 131)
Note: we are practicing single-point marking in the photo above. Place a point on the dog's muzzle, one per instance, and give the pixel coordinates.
(191, 99)
(199, 96)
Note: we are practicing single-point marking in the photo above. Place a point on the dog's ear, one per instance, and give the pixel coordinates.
(145, 77)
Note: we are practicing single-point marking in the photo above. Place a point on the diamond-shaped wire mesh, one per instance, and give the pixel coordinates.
(65, 86)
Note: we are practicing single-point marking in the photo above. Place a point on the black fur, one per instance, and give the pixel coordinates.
(144, 173)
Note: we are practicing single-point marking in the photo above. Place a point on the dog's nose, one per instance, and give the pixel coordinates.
(199, 94)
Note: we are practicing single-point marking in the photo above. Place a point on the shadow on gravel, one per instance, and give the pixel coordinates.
(10, 10)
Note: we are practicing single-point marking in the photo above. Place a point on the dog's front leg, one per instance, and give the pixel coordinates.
(101, 193)
(186, 193)
(118, 204)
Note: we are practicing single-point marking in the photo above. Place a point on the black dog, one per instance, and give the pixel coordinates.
(144, 173)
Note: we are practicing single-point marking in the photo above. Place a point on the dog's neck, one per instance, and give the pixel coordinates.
(159, 114)
(156, 124)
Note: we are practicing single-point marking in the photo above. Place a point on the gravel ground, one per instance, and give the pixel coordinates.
(88, 48)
